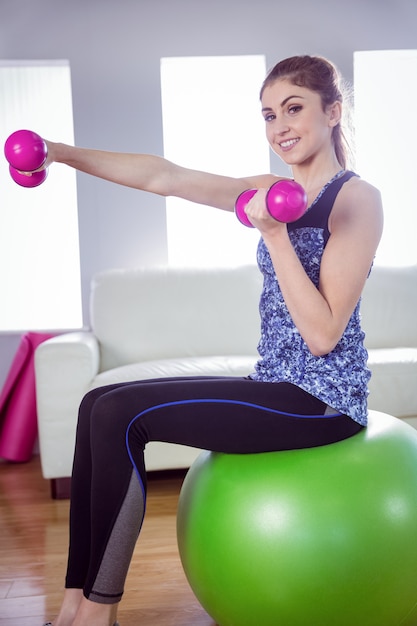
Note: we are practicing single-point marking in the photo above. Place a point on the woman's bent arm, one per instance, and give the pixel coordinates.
(321, 315)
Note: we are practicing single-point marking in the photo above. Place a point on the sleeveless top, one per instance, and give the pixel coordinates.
(339, 378)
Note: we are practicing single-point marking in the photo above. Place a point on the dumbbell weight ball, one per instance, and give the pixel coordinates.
(286, 201)
(26, 151)
(33, 179)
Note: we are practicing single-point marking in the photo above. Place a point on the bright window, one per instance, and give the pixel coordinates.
(386, 135)
(212, 121)
(39, 249)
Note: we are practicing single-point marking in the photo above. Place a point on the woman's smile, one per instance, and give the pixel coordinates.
(288, 144)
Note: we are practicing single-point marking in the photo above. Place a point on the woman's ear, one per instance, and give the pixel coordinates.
(335, 113)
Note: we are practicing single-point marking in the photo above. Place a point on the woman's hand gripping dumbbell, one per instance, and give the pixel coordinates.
(26, 152)
(286, 201)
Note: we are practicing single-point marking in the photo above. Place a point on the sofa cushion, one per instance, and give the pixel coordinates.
(393, 383)
(163, 368)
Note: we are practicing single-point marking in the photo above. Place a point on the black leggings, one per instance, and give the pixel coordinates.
(232, 415)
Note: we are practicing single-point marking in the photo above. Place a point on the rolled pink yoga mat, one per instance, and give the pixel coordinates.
(18, 417)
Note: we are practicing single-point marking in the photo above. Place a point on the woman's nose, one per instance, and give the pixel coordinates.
(277, 132)
(280, 126)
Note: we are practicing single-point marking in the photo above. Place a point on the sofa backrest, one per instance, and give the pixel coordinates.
(158, 313)
(389, 307)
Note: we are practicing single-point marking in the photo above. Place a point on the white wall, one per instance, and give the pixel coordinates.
(114, 50)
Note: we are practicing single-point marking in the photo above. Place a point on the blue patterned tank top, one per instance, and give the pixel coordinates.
(340, 378)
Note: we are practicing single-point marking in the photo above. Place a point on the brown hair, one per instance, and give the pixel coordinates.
(319, 75)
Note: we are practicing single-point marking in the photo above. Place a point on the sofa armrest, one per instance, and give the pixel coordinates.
(64, 368)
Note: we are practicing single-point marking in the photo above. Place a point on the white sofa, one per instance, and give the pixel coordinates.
(150, 323)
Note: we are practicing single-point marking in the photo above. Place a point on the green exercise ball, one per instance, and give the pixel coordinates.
(324, 536)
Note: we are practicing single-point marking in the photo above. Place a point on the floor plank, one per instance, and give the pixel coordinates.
(33, 546)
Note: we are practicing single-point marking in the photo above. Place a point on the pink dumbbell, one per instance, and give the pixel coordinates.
(286, 201)
(26, 152)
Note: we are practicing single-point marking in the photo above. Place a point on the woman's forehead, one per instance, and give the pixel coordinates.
(281, 90)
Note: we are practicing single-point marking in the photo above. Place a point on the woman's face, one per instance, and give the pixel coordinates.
(297, 128)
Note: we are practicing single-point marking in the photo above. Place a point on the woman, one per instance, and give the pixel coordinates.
(309, 386)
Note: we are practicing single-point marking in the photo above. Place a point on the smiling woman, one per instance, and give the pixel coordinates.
(309, 385)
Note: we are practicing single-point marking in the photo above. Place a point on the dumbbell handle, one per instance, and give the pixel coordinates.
(286, 201)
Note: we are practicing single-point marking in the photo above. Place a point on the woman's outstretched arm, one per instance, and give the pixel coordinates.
(157, 175)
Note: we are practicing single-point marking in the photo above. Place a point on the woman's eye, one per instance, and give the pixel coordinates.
(294, 108)
(269, 118)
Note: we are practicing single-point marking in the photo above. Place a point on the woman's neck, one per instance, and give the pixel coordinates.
(314, 176)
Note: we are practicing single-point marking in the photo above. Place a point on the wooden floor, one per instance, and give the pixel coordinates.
(33, 546)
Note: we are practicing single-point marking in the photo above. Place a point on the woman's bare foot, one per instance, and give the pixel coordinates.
(69, 607)
(76, 610)
(95, 614)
